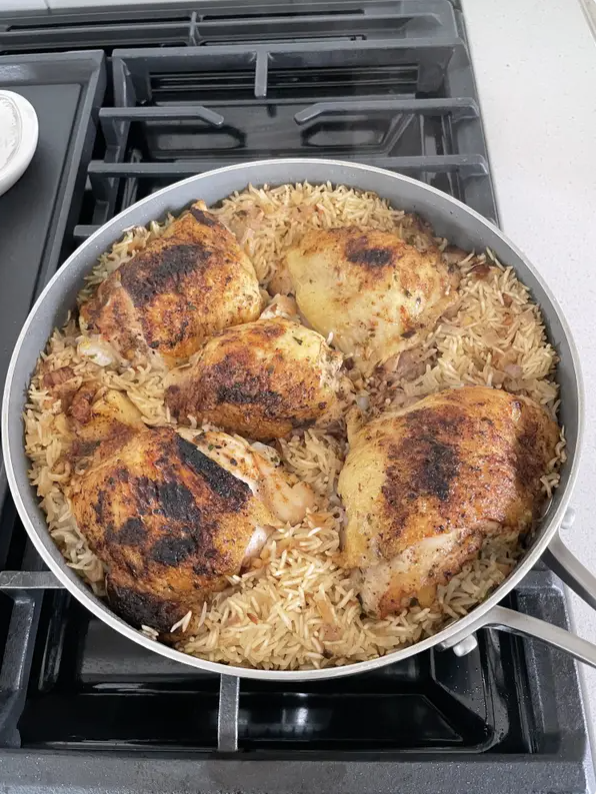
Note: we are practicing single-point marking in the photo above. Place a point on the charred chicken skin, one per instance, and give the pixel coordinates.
(171, 519)
(186, 284)
(423, 488)
(262, 379)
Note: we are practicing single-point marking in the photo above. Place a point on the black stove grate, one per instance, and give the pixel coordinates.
(405, 103)
(89, 687)
(236, 22)
(388, 84)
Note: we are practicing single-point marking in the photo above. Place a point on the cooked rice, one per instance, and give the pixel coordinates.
(297, 608)
(183, 623)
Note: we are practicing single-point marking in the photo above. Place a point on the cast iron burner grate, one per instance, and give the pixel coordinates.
(175, 92)
(91, 688)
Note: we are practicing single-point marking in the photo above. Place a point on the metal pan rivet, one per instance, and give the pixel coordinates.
(466, 646)
(568, 518)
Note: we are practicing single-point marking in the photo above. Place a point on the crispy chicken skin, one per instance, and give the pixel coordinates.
(377, 294)
(193, 280)
(262, 379)
(424, 486)
(170, 522)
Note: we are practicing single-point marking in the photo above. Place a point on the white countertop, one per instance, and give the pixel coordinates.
(535, 66)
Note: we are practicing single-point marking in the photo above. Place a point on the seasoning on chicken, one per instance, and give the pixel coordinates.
(425, 486)
(262, 379)
(374, 292)
(92, 415)
(186, 284)
(171, 519)
(259, 465)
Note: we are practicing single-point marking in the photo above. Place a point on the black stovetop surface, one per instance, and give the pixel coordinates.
(144, 98)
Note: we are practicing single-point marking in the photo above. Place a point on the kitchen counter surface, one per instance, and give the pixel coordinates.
(535, 66)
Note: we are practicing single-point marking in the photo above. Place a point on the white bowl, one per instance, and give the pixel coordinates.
(19, 132)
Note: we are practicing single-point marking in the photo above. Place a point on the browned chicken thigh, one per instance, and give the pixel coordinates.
(261, 379)
(171, 519)
(375, 293)
(425, 486)
(185, 285)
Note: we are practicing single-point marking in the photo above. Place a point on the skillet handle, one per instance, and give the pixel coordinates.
(568, 568)
(518, 623)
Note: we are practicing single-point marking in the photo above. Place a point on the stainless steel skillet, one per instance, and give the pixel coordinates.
(450, 219)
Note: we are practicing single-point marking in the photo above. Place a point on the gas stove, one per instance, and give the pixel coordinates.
(129, 101)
